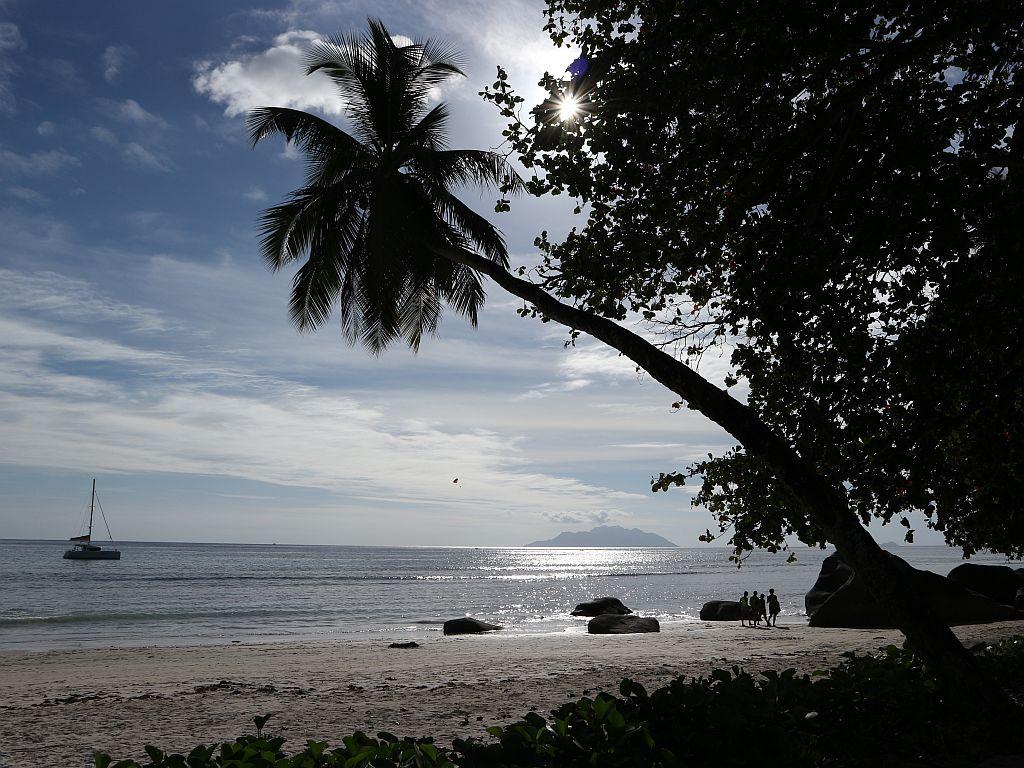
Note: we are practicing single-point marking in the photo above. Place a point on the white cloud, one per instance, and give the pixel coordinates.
(10, 38)
(137, 155)
(592, 517)
(112, 60)
(587, 361)
(46, 128)
(26, 195)
(551, 388)
(104, 135)
(255, 193)
(11, 42)
(647, 446)
(48, 162)
(68, 298)
(272, 77)
(131, 112)
(133, 153)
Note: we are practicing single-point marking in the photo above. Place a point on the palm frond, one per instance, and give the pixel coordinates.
(285, 231)
(428, 134)
(311, 134)
(468, 167)
(469, 224)
(420, 311)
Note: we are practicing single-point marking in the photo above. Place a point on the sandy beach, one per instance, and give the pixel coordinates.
(58, 706)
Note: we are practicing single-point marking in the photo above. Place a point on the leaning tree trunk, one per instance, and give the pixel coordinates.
(824, 500)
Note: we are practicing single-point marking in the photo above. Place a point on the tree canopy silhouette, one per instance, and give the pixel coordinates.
(835, 192)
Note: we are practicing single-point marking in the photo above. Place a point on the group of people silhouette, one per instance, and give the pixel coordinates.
(755, 607)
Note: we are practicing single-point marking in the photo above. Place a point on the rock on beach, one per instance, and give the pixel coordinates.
(997, 582)
(601, 606)
(467, 626)
(851, 605)
(720, 610)
(612, 624)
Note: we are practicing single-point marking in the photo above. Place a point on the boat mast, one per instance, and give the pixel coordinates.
(92, 506)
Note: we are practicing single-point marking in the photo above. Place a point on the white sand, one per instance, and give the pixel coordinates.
(56, 707)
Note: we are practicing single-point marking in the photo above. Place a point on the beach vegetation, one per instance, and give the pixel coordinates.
(830, 195)
(881, 709)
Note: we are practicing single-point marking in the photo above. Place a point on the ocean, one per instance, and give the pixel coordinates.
(190, 594)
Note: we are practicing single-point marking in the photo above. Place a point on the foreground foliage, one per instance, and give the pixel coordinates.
(873, 710)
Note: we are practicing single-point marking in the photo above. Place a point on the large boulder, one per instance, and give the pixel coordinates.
(1019, 602)
(998, 582)
(720, 610)
(834, 573)
(612, 624)
(850, 605)
(467, 626)
(600, 606)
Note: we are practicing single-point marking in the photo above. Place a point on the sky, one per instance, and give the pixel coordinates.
(142, 341)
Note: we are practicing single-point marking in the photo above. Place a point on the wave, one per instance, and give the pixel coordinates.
(139, 616)
(342, 578)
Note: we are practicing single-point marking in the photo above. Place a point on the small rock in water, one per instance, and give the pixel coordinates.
(410, 644)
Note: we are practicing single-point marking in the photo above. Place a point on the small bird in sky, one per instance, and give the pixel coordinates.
(455, 480)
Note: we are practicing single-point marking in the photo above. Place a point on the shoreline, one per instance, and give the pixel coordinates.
(57, 706)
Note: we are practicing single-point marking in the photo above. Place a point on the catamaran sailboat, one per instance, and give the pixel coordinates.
(84, 549)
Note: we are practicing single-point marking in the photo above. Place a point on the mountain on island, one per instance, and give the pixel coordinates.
(605, 536)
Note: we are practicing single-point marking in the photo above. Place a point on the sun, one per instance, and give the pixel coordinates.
(568, 107)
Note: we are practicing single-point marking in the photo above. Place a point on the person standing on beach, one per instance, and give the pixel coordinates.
(773, 607)
(755, 609)
(744, 608)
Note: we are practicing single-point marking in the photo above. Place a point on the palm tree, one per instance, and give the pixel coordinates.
(378, 209)
(387, 240)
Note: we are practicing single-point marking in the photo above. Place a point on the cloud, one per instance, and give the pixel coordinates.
(648, 446)
(255, 193)
(48, 162)
(137, 155)
(133, 153)
(113, 59)
(10, 38)
(551, 388)
(26, 195)
(104, 135)
(46, 128)
(591, 517)
(586, 361)
(11, 42)
(271, 77)
(130, 111)
(66, 298)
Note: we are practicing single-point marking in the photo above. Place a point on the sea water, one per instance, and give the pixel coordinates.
(183, 594)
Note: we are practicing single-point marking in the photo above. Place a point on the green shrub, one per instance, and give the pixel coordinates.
(356, 751)
(882, 709)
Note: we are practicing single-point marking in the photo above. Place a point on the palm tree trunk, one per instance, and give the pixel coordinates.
(824, 499)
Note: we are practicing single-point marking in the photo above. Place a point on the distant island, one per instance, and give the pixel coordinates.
(606, 536)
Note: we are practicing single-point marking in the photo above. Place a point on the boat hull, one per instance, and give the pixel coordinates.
(92, 554)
